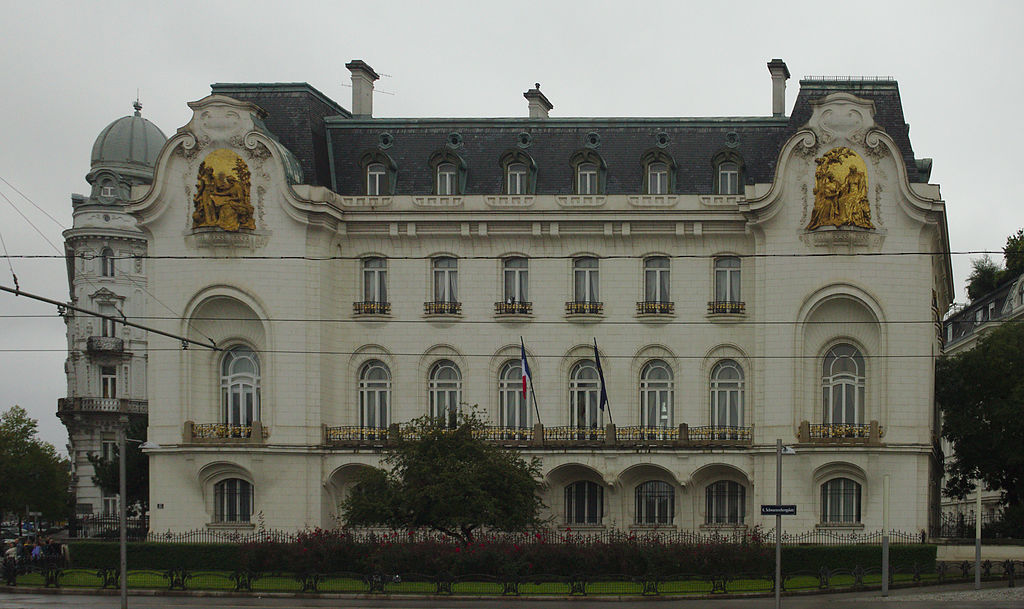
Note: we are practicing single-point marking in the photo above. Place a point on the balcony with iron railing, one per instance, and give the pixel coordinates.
(438, 307)
(112, 405)
(655, 307)
(224, 434)
(371, 308)
(869, 434)
(104, 344)
(726, 307)
(583, 307)
(513, 308)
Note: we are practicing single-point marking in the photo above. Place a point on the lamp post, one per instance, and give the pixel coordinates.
(779, 451)
(122, 500)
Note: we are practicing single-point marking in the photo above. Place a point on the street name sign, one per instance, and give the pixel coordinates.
(778, 510)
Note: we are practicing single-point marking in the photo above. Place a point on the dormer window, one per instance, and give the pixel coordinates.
(658, 168)
(586, 179)
(728, 178)
(449, 173)
(379, 174)
(107, 190)
(589, 169)
(516, 179)
(376, 175)
(657, 179)
(519, 172)
(446, 179)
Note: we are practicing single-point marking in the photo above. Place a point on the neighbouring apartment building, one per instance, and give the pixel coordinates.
(744, 278)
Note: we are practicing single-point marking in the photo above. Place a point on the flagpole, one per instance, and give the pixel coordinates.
(536, 410)
(604, 390)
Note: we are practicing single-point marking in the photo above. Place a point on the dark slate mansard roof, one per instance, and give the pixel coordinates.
(322, 134)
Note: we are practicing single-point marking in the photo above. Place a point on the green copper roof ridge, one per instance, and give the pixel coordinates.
(565, 121)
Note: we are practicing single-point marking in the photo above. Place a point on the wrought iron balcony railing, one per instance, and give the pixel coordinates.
(841, 433)
(104, 344)
(578, 307)
(442, 308)
(213, 433)
(513, 308)
(119, 405)
(655, 307)
(726, 307)
(355, 433)
(715, 433)
(577, 434)
(645, 433)
(840, 430)
(371, 308)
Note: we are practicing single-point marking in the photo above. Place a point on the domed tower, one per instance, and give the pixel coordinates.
(106, 364)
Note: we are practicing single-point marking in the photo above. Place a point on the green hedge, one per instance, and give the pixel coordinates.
(812, 558)
(149, 555)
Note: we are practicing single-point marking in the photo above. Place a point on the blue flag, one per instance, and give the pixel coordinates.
(600, 374)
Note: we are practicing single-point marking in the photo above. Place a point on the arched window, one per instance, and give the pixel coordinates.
(726, 396)
(727, 279)
(585, 280)
(107, 262)
(726, 503)
(584, 503)
(656, 279)
(240, 387)
(840, 501)
(519, 172)
(375, 280)
(380, 173)
(445, 389)
(446, 179)
(589, 171)
(450, 173)
(232, 501)
(658, 171)
(729, 172)
(446, 279)
(513, 406)
(656, 395)
(516, 174)
(516, 279)
(584, 397)
(376, 179)
(374, 394)
(657, 179)
(842, 386)
(655, 503)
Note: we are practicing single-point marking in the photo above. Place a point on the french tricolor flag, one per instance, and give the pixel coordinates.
(524, 365)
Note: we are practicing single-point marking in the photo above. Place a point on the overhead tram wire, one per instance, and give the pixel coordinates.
(85, 278)
(32, 203)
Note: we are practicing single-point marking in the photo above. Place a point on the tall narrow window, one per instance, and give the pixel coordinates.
(726, 395)
(375, 280)
(840, 501)
(842, 386)
(655, 503)
(108, 381)
(232, 501)
(656, 279)
(108, 327)
(374, 395)
(585, 280)
(727, 279)
(446, 179)
(445, 389)
(517, 178)
(656, 395)
(107, 262)
(726, 503)
(584, 503)
(657, 179)
(446, 279)
(376, 179)
(584, 397)
(240, 387)
(110, 506)
(728, 178)
(586, 178)
(516, 280)
(514, 407)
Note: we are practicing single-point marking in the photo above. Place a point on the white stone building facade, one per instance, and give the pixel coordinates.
(399, 262)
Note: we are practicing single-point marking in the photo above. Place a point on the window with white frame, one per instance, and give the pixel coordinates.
(232, 501)
(376, 179)
(517, 175)
(726, 503)
(840, 501)
(108, 450)
(728, 178)
(111, 507)
(375, 280)
(655, 503)
(727, 394)
(446, 279)
(656, 389)
(656, 279)
(585, 279)
(107, 190)
(445, 389)
(657, 179)
(586, 178)
(513, 405)
(727, 279)
(584, 503)
(842, 386)
(240, 386)
(107, 262)
(374, 395)
(584, 397)
(108, 381)
(446, 179)
(516, 279)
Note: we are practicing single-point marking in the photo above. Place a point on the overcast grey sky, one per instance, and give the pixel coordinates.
(71, 68)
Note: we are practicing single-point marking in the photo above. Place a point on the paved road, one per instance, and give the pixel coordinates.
(994, 595)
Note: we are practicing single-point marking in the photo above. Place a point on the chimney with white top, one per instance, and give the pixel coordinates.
(780, 73)
(539, 104)
(362, 87)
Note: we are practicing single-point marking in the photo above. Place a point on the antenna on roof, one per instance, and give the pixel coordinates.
(137, 105)
(375, 89)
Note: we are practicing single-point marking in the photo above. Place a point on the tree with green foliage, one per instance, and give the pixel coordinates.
(107, 471)
(985, 277)
(448, 480)
(981, 394)
(32, 474)
(1013, 254)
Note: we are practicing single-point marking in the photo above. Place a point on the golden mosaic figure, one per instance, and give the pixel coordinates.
(840, 191)
(222, 193)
